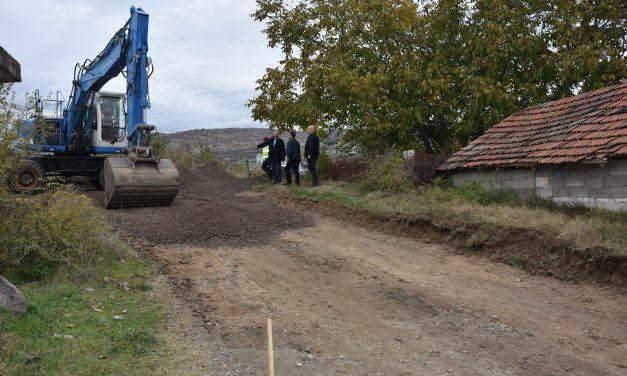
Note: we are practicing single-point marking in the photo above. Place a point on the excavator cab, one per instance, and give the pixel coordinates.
(108, 119)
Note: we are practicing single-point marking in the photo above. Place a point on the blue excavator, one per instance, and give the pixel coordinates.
(101, 135)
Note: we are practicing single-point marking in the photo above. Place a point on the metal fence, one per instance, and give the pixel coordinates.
(241, 167)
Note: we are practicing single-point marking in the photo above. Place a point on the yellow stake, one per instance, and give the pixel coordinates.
(270, 350)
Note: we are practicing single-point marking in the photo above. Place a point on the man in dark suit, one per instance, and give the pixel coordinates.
(312, 151)
(277, 155)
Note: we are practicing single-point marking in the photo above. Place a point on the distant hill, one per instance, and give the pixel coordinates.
(228, 143)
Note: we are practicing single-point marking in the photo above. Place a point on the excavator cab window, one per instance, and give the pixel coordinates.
(112, 119)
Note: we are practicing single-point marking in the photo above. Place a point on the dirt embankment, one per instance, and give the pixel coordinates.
(533, 251)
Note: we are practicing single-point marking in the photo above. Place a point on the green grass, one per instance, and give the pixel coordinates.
(34, 344)
(586, 227)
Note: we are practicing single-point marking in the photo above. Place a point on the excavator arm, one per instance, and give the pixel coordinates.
(139, 179)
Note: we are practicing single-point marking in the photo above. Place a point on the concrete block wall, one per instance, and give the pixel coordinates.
(595, 185)
(520, 181)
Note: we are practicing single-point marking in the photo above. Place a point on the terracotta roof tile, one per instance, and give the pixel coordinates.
(588, 126)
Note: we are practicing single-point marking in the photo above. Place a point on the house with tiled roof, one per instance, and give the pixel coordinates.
(572, 150)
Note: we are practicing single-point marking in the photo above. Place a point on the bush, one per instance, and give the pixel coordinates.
(423, 167)
(323, 163)
(345, 169)
(473, 191)
(388, 174)
(54, 232)
(190, 157)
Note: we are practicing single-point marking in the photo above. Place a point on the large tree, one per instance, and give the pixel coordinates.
(431, 75)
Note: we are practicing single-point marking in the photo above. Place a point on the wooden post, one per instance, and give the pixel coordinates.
(270, 350)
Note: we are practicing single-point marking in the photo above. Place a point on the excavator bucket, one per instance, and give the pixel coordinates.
(140, 182)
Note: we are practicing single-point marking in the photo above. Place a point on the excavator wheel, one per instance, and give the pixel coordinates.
(29, 178)
(140, 182)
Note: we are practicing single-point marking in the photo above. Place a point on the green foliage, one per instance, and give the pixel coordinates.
(54, 232)
(323, 163)
(160, 145)
(473, 191)
(431, 75)
(11, 117)
(191, 157)
(388, 174)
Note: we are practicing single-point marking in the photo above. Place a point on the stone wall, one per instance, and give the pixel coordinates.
(588, 184)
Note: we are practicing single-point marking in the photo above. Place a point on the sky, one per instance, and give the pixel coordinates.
(207, 54)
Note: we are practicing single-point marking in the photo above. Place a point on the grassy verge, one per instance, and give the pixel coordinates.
(586, 227)
(104, 326)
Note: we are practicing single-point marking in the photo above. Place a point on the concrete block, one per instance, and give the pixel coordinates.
(618, 167)
(616, 180)
(561, 191)
(617, 192)
(528, 183)
(599, 192)
(603, 200)
(579, 192)
(546, 171)
(544, 192)
(577, 171)
(574, 181)
(597, 170)
(614, 206)
(542, 181)
(561, 199)
(593, 181)
(519, 174)
(525, 192)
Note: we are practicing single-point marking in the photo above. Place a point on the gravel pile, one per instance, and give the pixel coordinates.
(209, 211)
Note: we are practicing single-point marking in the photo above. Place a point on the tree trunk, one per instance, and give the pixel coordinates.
(11, 298)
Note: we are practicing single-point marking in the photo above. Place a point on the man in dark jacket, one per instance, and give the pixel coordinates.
(293, 159)
(312, 151)
(277, 155)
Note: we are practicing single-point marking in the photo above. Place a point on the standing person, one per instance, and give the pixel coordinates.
(265, 152)
(312, 151)
(276, 155)
(293, 159)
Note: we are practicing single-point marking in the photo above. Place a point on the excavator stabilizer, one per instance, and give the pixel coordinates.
(140, 182)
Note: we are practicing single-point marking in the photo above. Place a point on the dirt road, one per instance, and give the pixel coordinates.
(348, 301)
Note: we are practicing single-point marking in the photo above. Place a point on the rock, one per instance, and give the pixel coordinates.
(124, 311)
(299, 364)
(124, 286)
(68, 337)
(117, 317)
(11, 298)
(56, 335)
(89, 289)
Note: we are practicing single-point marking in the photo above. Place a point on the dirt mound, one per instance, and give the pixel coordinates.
(210, 210)
(535, 252)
